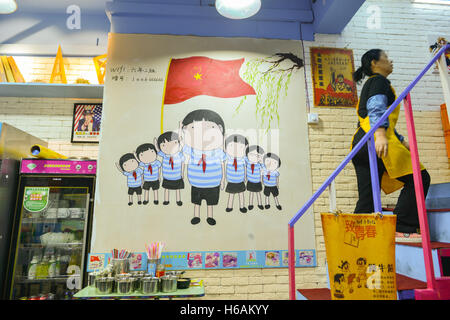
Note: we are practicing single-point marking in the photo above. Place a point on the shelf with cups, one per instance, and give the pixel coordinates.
(91, 292)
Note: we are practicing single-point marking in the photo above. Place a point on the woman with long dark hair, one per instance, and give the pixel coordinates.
(393, 156)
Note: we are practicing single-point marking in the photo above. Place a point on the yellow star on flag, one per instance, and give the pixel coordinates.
(198, 76)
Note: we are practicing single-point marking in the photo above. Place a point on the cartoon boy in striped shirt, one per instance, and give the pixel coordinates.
(147, 155)
(203, 134)
(235, 146)
(129, 166)
(271, 178)
(172, 164)
(254, 160)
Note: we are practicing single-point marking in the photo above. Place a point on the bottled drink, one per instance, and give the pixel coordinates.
(64, 263)
(42, 269)
(52, 267)
(58, 266)
(160, 270)
(33, 268)
(74, 259)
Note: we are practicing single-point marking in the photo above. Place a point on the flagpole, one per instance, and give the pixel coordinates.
(164, 96)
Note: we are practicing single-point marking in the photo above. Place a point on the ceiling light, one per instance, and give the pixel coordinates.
(7, 6)
(238, 9)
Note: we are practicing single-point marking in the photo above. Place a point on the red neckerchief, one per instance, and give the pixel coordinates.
(171, 162)
(268, 176)
(134, 175)
(203, 162)
(150, 168)
(235, 164)
(253, 167)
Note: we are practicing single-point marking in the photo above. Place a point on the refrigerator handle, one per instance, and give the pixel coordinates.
(84, 254)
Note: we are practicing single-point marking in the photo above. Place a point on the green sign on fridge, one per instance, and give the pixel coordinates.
(35, 198)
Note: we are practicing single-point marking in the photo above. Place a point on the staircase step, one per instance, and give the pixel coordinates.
(405, 288)
(409, 259)
(407, 283)
(438, 208)
(438, 196)
(314, 294)
(439, 225)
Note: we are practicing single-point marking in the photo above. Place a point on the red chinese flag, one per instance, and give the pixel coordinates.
(194, 76)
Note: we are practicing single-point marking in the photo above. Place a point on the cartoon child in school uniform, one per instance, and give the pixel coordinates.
(271, 178)
(172, 165)
(361, 276)
(147, 156)
(254, 160)
(203, 137)
(129, 166)
(235, 146)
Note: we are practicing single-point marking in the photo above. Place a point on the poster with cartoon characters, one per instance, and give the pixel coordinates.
(204, 146)
(360, 256)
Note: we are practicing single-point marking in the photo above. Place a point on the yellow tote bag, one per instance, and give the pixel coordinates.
(360, 255)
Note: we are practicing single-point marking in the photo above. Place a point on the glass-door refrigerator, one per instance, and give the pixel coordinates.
(15, 144)
(52, 228)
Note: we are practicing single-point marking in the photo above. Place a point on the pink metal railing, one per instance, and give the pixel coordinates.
(436, 288)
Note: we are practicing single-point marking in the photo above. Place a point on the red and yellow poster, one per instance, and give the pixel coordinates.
(360, 255)
(332, 73)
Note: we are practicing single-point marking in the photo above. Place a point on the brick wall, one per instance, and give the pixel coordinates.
(49, 119)
(403, 34)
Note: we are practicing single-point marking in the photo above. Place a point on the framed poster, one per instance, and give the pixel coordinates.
(436, 42)
(86, 122)
(332, 73)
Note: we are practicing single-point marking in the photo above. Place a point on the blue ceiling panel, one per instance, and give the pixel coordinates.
(46, 22)
(273, 21)
(331, 16)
